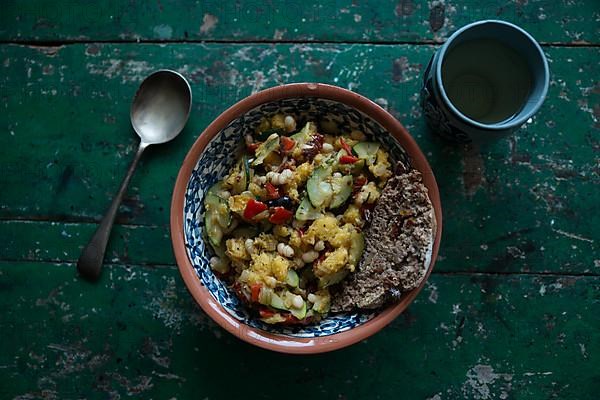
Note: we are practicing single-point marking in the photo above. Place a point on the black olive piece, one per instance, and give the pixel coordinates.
(283, 201)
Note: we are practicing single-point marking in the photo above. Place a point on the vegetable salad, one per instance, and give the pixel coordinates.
(286, 222)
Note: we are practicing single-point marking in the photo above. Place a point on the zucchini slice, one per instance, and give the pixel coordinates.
(305, 134)
(277, 302)
(223, 265)
(342, 189)
(292, 278)
(266, 148)
(213, 230)
(299, 313)
(318, 188)
(242, 175)
(357, 246)
(306, 211)
(366, 151)
(332, 279)
(217, 216)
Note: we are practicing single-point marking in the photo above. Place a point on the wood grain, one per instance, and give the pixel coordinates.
(524, 204)
(138, 334)
(511, 311)
(415, 21)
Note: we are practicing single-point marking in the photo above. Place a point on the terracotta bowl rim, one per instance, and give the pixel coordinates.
(259, 337)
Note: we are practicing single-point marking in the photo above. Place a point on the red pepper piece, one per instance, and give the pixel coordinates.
(266, 313)
(272, 191)
(255, 290)
(345, 146)
(252, 147)
(358, 184)
(348, 159)
(237, 288)
(287, 143)
(280, 215)
(291, 320)
(253, 208)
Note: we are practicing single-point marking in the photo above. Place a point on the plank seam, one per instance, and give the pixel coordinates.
(66, 42)
(75, 220)
(57, 262)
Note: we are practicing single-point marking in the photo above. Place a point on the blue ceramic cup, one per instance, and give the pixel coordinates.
(488, 79)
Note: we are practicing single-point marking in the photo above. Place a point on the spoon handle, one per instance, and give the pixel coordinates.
(89, 264)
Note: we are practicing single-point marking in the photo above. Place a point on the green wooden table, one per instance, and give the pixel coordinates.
(512, 310)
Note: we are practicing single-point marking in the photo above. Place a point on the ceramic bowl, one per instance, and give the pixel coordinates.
(209, 159)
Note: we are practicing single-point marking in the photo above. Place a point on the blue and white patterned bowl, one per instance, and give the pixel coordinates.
(212, 156)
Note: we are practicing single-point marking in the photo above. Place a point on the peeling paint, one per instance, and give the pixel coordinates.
(163, 31)
(482, 381)
(129, 71)
(473, 169)
(209, 22)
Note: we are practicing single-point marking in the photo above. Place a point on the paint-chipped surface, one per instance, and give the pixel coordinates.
(510, 312)
(567, 21)
(138, 333)
(524, 204)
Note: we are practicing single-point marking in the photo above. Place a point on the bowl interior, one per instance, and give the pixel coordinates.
(222, 153)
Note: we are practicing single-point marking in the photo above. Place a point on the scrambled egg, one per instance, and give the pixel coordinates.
(301, 175)
(236, 251)
(265, 267)
(381, 167)
(281, 231)
(321, 229)
(322, 301)
(265, 242)
(319, 159)
(270, 264)
(352, 215)
(369, 194)
(257, 190)
(237, 203)
(333, 262)
(328, 229)
(295, 240)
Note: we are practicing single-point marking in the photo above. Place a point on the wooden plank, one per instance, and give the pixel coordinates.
(63, 242)
(137, 333)
(44, 241)
(246, 20)
(524, 204)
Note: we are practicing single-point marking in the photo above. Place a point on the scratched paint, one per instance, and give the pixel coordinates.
(573, 21)
(542, 169)
(209, 22)
(477, 330)
(139, 333)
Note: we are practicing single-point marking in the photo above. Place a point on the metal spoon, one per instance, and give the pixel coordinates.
(159, 111)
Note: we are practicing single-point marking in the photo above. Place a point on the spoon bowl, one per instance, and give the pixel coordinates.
(161, 107)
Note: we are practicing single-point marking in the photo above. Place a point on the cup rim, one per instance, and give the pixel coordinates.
(499, 126)
(258, 337)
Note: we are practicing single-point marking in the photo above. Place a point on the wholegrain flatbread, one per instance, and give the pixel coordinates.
(398, 244)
